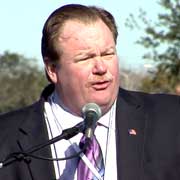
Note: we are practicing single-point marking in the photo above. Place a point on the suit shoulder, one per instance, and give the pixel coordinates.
(140, 94)
(151, 98)
(14, 118)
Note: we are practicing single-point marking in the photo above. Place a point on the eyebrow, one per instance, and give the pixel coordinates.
(87, 52)
(84, 53)
(110, 48)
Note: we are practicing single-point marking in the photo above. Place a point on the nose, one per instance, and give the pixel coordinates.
(99, 66)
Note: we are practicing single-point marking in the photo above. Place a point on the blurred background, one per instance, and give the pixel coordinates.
(148, 46)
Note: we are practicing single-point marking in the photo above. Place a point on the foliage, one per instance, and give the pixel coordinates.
(162, 41)
(130, 80)
(160, 84)
(21, 81)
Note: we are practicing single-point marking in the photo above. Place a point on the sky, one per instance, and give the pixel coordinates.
(21, 24)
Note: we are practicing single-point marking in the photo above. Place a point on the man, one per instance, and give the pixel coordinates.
(138, 133)
(177, 89)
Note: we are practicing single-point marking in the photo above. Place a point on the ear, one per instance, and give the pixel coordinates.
(51, 69)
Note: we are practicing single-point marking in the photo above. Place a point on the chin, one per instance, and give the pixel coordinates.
(103, 102)
(102, 98)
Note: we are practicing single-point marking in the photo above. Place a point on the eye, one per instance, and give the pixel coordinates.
(86, 58)
(82, 59)
(108, 54)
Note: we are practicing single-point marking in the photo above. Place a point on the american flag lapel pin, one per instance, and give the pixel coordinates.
(132, 132)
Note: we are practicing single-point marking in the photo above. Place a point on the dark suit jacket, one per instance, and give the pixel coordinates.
(150, 152)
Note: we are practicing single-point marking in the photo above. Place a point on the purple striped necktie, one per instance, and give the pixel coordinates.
(94, 154)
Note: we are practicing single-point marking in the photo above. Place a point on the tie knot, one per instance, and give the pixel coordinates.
(91, 143)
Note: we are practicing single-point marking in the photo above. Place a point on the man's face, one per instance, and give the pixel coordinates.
(88, 70)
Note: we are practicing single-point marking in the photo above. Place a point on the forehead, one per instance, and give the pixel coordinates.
(76, 31)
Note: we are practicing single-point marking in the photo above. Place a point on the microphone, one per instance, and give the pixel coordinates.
(25, 155)
(91, 113)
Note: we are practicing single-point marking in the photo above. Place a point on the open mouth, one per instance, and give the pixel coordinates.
(101, 85)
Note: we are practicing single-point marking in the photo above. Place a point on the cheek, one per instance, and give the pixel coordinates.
(79, 76)
(114, 68)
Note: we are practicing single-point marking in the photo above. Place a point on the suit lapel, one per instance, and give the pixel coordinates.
(130, 129)
(33, 132)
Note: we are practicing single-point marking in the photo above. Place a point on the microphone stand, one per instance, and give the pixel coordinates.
(24, 155)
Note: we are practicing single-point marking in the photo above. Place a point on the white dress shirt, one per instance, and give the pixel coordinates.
(58, 119)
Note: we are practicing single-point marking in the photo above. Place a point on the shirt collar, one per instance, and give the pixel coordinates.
(70, 119)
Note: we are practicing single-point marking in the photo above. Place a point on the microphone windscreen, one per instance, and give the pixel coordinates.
(91, 107)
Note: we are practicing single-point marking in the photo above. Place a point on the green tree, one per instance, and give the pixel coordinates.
(162, 41)
(21, 81)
